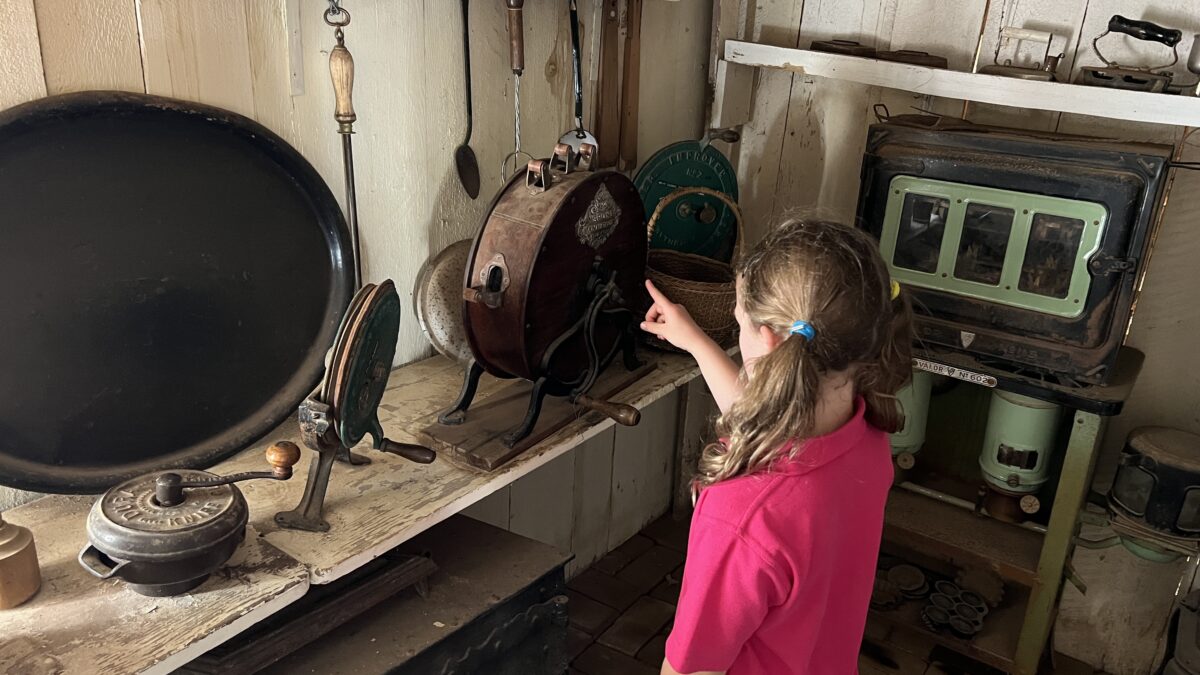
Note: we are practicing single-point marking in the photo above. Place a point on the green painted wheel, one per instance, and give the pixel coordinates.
(362, 363)
(697, 224)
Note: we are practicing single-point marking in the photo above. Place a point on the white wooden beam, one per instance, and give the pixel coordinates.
(1097, 101)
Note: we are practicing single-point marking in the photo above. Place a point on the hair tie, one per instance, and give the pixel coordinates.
(804, 329)
(895, 289)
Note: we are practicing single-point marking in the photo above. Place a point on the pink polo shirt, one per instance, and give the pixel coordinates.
(780, 564)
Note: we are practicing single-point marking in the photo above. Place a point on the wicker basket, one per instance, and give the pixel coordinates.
(705, 287)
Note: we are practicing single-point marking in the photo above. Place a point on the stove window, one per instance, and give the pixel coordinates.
(983, 243)
(1050, 255)
(1189, 515)
(919, 237)
(1132, 488)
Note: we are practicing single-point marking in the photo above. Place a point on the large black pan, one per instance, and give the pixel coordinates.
(171, 276)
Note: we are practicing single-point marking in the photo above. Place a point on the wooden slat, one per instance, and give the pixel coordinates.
(672, 95)
(642, 470)
(608, 90)
(540, 506)
(84, 625)
(592, 509)
(953, 534)
(1096, 101)
(492, 509)
(270, 62)
(21, 75)
(630, 86)
(89, 45)
(198, 50)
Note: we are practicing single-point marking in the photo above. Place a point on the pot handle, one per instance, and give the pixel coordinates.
(94, 562)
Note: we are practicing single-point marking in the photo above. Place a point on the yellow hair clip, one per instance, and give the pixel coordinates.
(895, 290)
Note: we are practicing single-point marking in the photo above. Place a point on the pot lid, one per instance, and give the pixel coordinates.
(129, 523)
(172, 275)
(697, 224)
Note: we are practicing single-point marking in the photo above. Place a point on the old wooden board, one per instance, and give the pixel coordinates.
(479, 441)
(374, 508)
(79, 624)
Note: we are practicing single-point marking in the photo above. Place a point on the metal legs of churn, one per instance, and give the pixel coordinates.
(457, 413)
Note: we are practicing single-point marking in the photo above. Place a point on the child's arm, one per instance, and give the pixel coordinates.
(671, 322)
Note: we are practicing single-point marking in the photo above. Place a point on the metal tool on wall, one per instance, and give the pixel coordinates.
(1117, 76)
(464, 156)
(1042, 69)
(517, 159)
(345, 407)
(578, 136)
(341, 71)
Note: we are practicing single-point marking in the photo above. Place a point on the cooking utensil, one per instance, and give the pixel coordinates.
(847, 47)
(517, 159)
(157, 312)
(346, 406)
(578, 136)
(914, 57)
(341, 71)
(164, 533)
(437, 301)
(464, 156)
(1116, 76)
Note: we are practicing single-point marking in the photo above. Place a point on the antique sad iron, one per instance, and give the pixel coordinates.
(552, 283)
(344, 408)
(1116, 76)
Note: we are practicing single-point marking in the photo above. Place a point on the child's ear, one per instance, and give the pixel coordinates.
(770, 338)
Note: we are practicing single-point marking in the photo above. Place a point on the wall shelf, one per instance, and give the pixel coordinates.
(1135, 106)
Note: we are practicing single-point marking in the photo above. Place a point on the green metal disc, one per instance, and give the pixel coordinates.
(682, 226)
(364, 363)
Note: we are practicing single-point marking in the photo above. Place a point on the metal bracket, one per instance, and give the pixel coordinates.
(1103, 264)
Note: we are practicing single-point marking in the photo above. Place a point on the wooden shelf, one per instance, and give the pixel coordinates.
(961, 538)
(1136, 106)
(995, 645)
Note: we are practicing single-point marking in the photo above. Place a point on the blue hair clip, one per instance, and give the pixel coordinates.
(804, 329)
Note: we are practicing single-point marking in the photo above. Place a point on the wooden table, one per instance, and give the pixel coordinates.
(86, 625)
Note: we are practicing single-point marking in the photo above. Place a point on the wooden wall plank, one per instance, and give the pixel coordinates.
(541, 503)
(674, 65)
(90, 45)
(642, 467)
(592, 509)
(21, 75)
(493, 509)
(270, 65)
(198, 50)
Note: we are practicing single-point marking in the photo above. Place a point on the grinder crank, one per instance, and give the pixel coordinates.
(345, 407)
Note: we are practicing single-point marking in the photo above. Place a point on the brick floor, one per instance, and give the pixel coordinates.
(588, 615)
(637, 626)
(651, 568)
(654, 652)
(601, 660)
(624, 554)
(605, 588)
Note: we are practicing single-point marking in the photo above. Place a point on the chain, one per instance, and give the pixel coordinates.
(337, 16)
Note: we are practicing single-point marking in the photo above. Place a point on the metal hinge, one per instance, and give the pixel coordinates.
(1103, 264)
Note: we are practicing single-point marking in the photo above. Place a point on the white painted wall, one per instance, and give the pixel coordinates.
(802, 149)
(408, 92)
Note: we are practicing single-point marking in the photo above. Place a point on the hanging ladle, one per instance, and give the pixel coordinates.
(464, 156)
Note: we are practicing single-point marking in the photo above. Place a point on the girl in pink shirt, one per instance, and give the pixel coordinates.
(785, 535)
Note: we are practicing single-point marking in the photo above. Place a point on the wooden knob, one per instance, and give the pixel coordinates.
(282, 456)
(341, 70)
(410, 451)
(620, 413)
(516, 36)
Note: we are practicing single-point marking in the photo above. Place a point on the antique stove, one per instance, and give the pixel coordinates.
(1021, 250)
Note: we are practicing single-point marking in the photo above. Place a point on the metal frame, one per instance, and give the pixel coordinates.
(1074, 483)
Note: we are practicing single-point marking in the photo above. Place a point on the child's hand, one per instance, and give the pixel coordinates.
(671, 322)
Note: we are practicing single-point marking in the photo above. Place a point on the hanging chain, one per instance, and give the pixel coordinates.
(338, 17)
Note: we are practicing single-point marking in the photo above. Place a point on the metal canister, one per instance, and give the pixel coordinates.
(20, 577)
(914, 403)
(1019, 440)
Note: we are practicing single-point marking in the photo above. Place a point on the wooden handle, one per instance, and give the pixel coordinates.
(516, 35)
(341, 69)
(282, 456)
(410, 451)
(620, 413)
